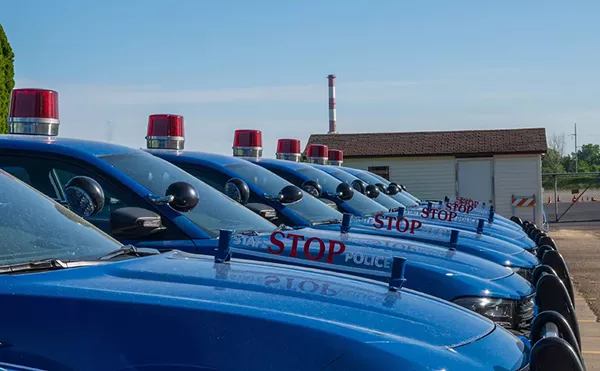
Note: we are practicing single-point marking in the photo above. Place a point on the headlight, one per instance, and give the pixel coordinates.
(501, 311)
(523, 272)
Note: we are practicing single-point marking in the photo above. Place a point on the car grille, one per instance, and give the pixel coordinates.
(526, 273)
(524, 313)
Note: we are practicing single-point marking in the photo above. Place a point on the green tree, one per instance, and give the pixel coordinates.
(7, 77)
(590, 155)
(552, 162)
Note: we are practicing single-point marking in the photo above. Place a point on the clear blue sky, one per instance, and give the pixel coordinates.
(401, 65)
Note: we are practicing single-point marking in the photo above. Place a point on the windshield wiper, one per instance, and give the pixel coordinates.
(249, 232)
(34, 265)
(330, 221)
(131, 251)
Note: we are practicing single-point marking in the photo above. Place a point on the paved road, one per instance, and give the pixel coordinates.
(579, 211)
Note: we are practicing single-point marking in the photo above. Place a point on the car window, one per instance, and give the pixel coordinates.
(400, 197)
(33, 227)
(383, 200)
(214, 211)
(50, 176)
(18, 172)
(309, 208)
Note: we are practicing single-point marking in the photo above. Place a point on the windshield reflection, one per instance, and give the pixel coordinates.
(214, 211)
(309, 208)
(34, 227)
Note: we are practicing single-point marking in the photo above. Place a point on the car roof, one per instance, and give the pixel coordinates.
(184, 156)
(69, 146)
(282, 163)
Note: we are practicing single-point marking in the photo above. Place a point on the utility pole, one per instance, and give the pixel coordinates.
(574, 135)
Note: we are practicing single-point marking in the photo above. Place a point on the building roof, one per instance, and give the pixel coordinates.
(463, 143)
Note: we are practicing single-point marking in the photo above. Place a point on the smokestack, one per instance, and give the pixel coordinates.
(331, 80)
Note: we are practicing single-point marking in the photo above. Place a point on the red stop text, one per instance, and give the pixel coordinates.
(325, 250)
(401, 225)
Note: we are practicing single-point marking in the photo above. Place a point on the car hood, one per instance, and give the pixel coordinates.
(363, 253)
(158, 289)
(487, 247)
(455, 219)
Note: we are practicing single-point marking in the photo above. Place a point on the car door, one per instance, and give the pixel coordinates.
(50, 175)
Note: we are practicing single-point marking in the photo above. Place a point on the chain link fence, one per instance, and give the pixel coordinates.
(571, 197)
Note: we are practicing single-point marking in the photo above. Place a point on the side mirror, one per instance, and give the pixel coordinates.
(238, 190)
(381, 187)
(372, 191)
(263, 210)
(358, 185)
(134, 223)
(184, 196)
(290, 194)
(393, 189)
(313, 188)
(402, 187)
(344, 191)
(84, 196)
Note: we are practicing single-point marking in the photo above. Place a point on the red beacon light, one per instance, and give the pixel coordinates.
(247, 143)
(165, 131)
(33, 112)
(336, 157)
(288, 149)
(317, 154)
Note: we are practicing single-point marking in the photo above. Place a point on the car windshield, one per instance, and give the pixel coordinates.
(309, 208)
(400, 197)
(33, 227)
(329, 184)
(387, 183)
(214, 211)
(382, 199)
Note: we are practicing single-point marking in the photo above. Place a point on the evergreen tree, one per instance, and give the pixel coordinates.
(7, 77)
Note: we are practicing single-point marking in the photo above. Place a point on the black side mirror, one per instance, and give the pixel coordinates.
(290, 194)
(134, 223)
(313, 188)
(359, 185)
(344, 191)
(84, 196)
(184, 196)
(238, 190)
(381, 187)
(402, 187)
(393, 189)
(372, 191)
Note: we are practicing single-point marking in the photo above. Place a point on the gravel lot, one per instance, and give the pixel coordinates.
(580, 246)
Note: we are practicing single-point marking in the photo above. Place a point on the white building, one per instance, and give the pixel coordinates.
(486, 165)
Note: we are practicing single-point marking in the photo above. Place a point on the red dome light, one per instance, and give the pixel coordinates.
(247, 143)
(165, 131)
(317, 151)
(33, 111)
(247, 138)
(289, 146)
(165, 125)
(335, 155)
(33, 103)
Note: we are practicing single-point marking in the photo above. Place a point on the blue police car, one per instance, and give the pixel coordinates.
(373, 220)
(152, 203)
(76, 299)
(448, 216)
(258, 194)
(467, 210)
